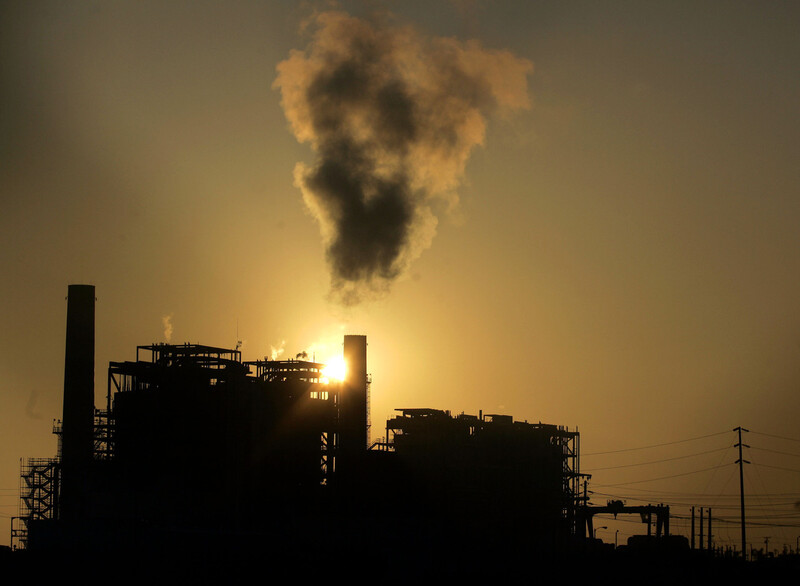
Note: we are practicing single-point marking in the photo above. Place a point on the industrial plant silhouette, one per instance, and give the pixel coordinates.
(198, 455)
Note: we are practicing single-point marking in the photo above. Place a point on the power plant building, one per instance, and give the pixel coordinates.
(196, 446)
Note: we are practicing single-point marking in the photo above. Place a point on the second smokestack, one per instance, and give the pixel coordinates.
(353, 406)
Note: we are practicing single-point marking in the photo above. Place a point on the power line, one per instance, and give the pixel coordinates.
(776, 467)
(755, 523)
(691, 439)
(791, 439)
(775, 452)
(757, 469)
(689, 501)
(659, 461)
(662, 477)
(764, 515)
(702, 494)
(736, 521)
(776, 516)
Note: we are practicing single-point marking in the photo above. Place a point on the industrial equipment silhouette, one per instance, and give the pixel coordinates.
(196, 447)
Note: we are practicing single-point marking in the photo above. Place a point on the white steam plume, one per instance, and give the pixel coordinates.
(166, 321)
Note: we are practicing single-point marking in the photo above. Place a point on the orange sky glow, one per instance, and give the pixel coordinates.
(602, 232)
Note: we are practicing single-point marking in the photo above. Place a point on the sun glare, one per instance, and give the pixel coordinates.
(335, 369)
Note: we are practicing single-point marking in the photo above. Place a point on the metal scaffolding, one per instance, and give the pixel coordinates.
(39, 483)
(286, 370)
(103, 434)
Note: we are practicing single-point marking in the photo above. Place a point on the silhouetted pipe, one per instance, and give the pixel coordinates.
(77, 422)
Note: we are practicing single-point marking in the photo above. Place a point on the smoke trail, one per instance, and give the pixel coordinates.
(166, 321)
(393, 117)
(276, 353)
(31, 408)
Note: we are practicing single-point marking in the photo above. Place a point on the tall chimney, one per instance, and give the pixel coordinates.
(353, 404)
(78, 417)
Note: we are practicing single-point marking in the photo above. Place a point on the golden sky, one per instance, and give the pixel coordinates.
(623, 255)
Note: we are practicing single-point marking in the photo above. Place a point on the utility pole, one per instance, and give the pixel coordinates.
(692, 527)
(741, 461)
(701, 528)
(709, 530)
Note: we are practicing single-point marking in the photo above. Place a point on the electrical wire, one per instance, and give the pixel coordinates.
(656, 445)
(775, 467)
(693, 502)
(701, 494)
(663, 477)
(775, 452)
(659, 461)
(791, 439)
(776, 513)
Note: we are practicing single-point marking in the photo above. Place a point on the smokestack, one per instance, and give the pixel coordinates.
(78, 415)
(353, 402)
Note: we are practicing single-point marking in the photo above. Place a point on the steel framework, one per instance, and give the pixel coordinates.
(39, 486)
(426, 428)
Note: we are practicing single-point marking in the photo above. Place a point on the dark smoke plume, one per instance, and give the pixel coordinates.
(393, 117)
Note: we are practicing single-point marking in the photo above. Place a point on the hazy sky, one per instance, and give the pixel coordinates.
(622, 256)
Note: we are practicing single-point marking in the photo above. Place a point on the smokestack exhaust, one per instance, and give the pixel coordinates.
(393, 116)
(78, 415)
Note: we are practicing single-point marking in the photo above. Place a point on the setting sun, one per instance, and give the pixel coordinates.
(335, 369)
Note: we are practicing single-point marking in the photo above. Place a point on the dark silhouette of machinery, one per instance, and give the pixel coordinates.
(616, 507)
(195, 446)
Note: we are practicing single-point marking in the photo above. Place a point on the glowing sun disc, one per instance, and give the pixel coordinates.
(335, 369)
